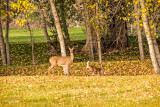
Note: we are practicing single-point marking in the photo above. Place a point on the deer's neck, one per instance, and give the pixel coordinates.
(72, 56)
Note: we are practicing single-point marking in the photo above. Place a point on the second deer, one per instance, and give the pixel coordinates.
(92, 69)
(62, 61)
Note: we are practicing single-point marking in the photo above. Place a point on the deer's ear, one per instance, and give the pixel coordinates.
(69, 48)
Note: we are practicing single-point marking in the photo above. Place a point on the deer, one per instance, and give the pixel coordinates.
(93, 69)
(62, 61)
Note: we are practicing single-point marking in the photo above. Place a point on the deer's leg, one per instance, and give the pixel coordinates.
(67, 69)
(89, 72)
(51, 67)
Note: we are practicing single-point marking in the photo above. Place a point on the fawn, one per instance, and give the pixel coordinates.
(93, 69)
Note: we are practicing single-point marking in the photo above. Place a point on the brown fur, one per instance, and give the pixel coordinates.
(92, 70)
(62, 61)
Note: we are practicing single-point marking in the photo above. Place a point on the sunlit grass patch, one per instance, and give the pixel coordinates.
(79, 91)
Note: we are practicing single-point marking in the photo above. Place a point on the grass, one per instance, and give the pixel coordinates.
(23, 35)
(80, 91)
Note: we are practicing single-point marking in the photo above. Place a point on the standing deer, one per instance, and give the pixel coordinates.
(62, 61)
(93, 69)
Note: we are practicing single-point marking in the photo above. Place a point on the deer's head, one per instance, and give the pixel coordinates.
(71, 49)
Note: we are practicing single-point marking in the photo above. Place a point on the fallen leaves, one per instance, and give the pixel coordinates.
(119, 68)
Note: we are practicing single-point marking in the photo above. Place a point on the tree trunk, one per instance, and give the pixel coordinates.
(58, 27)
(32, 43)
(60, 34)
(7, 34)
(44, 27)
(121, 35)
(88, 47)
(139, 33)
(155, 41)
(149, 38)
(65, 29)
(156, 48)
(118, 37)
(131, 28)
(2, 45)
(99, 41)
(64, 23)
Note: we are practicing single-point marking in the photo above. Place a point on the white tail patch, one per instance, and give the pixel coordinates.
(88, 64)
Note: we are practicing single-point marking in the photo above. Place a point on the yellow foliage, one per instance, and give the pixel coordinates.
(106, 3)
(92, 6)
(152, 26)
(124, 18)
(135, 23)
(135, 1)
(23, 7)
(141, 24)
(5, 3)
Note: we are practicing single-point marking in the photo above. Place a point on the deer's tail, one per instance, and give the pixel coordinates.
(88, 64)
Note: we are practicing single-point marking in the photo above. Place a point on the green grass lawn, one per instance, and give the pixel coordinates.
(23, 35)
(96, 91)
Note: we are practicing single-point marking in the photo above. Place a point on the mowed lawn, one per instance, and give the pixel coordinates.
(93, 91)
(23, 35)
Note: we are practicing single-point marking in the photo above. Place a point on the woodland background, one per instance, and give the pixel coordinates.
(113, 32)
(119, 36)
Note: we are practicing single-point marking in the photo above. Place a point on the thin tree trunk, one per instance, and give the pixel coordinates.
(156, 48)
(99, 41)
(67, 37)
(60, 34)
(7, 34)
(44, 27)
(139, 33)
(2, 45)
(89, 42)
(89, 33)
(58, 27)
(64, 23)
(155, 42)
(32, 43)
(118, 34)
(131, 28)
(149, 38)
